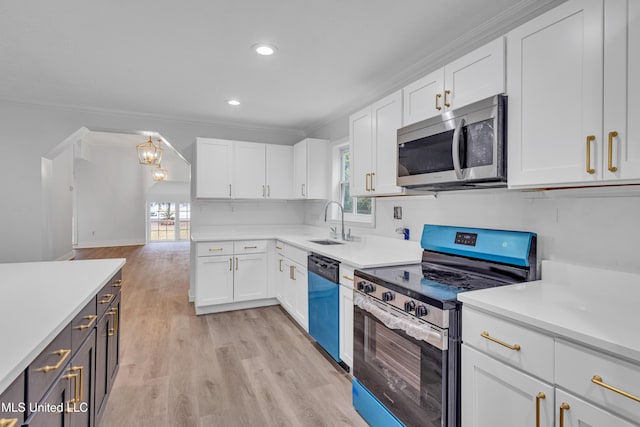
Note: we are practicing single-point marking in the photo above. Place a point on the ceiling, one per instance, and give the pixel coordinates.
(184, 59)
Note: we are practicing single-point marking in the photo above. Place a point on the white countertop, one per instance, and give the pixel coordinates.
(597, 307)
(37, 301)
(369, 251)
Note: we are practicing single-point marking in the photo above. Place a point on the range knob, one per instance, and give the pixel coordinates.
(361, 285)
(421, 311)
(387, 296)
(368, 288)
(409, 306)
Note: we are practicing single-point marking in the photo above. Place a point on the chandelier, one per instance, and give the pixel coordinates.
(159, 174)
(149, 153)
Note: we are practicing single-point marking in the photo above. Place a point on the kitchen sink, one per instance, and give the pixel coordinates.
(326, 242)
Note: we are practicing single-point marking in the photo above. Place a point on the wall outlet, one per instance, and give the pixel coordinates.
(397, 212)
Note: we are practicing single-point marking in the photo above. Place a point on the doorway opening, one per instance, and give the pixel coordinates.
(169, 221)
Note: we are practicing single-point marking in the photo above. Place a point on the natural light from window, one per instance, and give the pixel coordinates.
(356, 209)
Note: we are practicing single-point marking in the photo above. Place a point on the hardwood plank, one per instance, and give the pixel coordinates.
(242, 368)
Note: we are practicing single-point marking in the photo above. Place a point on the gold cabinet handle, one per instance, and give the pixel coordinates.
(539, 397)
(446, 103)
(8, 422)
(347, 277)
(214, 249)
(251, 247)
(366, 181)
(438, 96)
(292, 272)
(72, 403)
(278, 247)
(230, 264)
(91, 318)
(113, 312)
(281, 264)
(106, 299)
(78, 390)
(237, 263)
(597, 379)
(264, 191)
(611, 136)
(486, 335)
(590, 138)
(303, 190)
(63, 356)
(563, 407)
(373, 175)
(117, 284)
(268, 191)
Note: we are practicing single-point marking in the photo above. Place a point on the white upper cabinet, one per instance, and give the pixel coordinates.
(214, 158)
(249, 170)
(279, 171)
(311, 169)
(572, 96)
(473, 77)
(373, 136)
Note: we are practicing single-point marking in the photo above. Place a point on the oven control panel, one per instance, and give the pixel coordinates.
(402, 302)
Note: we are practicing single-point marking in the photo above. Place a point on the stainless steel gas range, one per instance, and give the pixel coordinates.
(407, 322)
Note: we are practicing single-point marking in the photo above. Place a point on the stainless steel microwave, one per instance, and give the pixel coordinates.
(462, 148)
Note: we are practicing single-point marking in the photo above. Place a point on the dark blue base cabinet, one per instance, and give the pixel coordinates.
(69, 382)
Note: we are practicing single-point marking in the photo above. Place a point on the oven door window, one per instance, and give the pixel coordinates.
(405, 374)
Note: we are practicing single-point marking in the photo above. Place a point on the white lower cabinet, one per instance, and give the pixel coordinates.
(346, 325)
(300, 288)
(497, 395)
(236, 273)
(579, 413)
(292, 287)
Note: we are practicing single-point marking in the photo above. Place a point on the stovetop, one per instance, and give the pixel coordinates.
(430, 283)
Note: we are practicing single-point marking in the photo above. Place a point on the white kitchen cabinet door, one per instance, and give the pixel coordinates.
(496, 395)
(387, 118)
(300, 170)
(423, 98)
(279, 171)
(288, 287)
(621, 157)
(346, 325)
(361, 152)
(280, 277)
(250, 277)
(554, 64)
(475, 76)
(577, 413)
(214, 280)
(214, 162)
(301, 291)
(249, 170)
(311, 169)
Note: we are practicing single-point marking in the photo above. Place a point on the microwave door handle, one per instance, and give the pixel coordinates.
(455, 150)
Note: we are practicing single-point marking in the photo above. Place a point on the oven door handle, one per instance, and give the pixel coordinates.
(422, 332)
(455, 150)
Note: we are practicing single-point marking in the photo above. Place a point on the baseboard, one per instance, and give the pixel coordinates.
(109, 243)
(235, 306)
(65, 257)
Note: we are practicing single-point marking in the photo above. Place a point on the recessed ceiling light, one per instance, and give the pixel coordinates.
(264, 49)
(233, 102)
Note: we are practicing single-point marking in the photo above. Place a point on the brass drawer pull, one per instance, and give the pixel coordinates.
(367, 186)
(281, 264)
(292, 272)
(438, 96)
(72, 403)
(446, 103)
(63, 353)
(113, 312)
(486, 335)
(539, 397)
(590, 170)
(8, 422)
(230, 264)
(237, 263)
(215, 249)
(597, 379)
(347, 277)
(373, 175)
(563, 407)
(278, 247)
(117, 284)
(106, 299)
(91, 318)
(251, 247)
(611, 136)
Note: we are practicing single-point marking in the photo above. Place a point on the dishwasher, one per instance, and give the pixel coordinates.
(324, 300)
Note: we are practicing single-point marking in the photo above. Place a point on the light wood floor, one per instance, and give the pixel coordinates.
(244, 368)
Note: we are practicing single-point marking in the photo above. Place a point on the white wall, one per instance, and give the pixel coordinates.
(583, 227)
(28, 132)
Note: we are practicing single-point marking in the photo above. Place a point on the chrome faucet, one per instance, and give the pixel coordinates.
(326, 207)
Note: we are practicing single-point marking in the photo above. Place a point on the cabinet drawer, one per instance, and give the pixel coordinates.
(11, 399)
(346, 275)
(578, 367)
(296, 254)
(279, 246)
(43, 371)
(107, 294)
(535, 350)
(83, 324)
(214, 248)
(250, 247)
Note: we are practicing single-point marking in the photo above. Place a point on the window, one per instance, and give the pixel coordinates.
(357, 209)
(165, 224)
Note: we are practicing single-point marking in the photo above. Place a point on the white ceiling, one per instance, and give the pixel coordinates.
(184, 59)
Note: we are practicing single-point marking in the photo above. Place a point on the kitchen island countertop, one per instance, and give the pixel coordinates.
(38, 300)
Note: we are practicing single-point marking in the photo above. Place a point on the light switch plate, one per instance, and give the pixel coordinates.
(397, 212)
